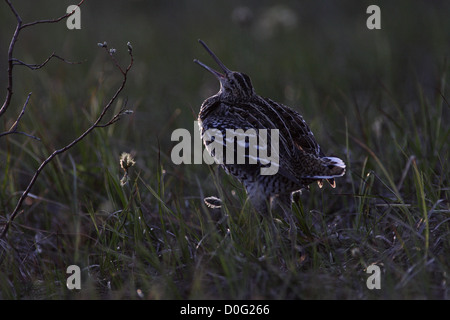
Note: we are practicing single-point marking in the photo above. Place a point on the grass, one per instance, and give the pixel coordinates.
(154, 237)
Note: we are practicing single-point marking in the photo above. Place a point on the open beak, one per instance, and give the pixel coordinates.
(221, 65)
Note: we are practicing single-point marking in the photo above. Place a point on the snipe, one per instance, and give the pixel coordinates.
(301, 160)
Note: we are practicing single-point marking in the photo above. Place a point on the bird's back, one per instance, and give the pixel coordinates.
(301, 160)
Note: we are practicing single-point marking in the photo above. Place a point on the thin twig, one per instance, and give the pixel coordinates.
(38, 66)
(25, 25)
(15, 124)
(13, 129)
(117, 116)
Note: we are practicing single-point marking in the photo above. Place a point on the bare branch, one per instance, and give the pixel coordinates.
(18, 18)
(70, 145)
(9, 89)
(11, 61)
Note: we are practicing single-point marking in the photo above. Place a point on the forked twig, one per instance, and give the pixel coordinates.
(38, 66)
(13, 128)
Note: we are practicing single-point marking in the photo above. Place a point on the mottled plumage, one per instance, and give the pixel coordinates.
(301, 160)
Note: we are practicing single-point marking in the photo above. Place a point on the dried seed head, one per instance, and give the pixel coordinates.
(126, 161)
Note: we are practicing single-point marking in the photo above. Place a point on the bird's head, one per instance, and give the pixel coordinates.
(233, 85)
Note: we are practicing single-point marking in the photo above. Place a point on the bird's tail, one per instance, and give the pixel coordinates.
(334, 167)
(326, 168)
(329, 168)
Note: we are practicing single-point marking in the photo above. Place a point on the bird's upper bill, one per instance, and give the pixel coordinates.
(221, 65)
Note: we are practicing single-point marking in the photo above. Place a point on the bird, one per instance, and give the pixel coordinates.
(301, 161)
